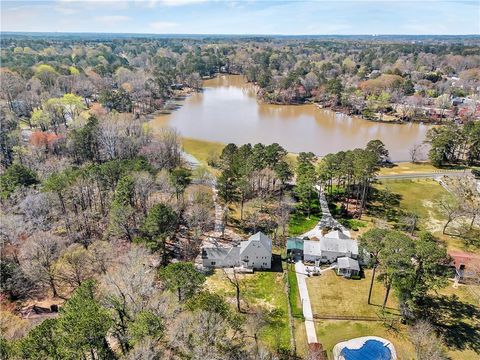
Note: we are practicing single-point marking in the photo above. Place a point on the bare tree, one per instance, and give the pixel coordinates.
(36, 210)
(450, 208)
(144, 186)
(428, 346)
(233, 279)
(416, 152)
(74, 266)
(38, 259)
(128, 288)
(199, 217)
(166, 152)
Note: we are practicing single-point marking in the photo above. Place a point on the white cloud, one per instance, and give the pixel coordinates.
(112, 19)
(162, 26)
(153, 3)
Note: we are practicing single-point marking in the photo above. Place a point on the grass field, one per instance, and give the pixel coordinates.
(403, 168)
(420, 197)
(261, 290)
(331, 294)
(408, 168)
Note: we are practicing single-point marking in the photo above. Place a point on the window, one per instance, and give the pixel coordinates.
(212, 263)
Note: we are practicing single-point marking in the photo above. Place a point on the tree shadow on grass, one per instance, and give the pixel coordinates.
(456, 321)
(384, 204)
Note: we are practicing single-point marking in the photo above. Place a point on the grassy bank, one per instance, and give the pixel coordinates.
(202, 149)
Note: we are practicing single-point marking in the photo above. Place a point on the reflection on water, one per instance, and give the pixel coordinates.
(227, 111)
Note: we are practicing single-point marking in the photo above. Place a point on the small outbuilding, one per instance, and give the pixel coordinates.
(295, 249)
(348, 267)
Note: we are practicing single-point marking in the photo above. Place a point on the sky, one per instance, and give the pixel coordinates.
(315, 17)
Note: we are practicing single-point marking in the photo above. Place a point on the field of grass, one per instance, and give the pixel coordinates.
(331, 294)
(409, 168)
(420, 197)
(413, 168)
(261, 290)
(334, 295)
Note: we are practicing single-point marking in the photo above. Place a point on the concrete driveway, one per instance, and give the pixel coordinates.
(301, 274)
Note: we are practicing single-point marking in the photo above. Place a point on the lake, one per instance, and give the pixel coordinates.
(228, 111)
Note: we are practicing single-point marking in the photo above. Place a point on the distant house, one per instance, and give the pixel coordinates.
(466, 266)
(254, 253)
(348, 267)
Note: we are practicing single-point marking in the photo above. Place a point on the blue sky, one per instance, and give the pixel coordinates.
(244, 17)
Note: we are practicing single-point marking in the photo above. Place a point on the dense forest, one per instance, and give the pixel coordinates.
(104, 217)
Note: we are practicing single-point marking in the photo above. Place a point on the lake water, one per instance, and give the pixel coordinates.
(228, 111)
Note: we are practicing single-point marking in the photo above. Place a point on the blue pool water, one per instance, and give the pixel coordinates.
(371, 350)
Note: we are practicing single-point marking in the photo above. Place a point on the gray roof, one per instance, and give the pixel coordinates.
(218, 253)
(347, 263)
(337, 234)
(311, 247)
(338, 245)
(262, 238)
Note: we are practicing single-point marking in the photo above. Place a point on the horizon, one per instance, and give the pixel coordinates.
(237, 34)
(247, 18)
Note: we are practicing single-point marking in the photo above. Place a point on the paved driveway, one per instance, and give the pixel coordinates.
(306, 306)
(327, 219)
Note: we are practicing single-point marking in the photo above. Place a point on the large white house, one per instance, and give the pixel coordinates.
(254, 253)
(329, 248)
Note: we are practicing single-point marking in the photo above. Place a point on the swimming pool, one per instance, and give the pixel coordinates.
(371, 350)
(365, 348)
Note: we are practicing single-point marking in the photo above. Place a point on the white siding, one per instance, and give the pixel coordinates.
(254, 255)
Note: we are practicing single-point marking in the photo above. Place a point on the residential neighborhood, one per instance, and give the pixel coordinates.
(239, 180)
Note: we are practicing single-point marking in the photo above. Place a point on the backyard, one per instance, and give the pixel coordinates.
(261, 290)
(331, 294)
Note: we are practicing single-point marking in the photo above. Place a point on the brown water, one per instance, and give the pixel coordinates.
(227, 111)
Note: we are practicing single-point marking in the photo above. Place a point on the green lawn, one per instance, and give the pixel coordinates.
(331, 294)
(300, 224)
(413, 168)
(265, 291)
(409, 168)
(294, 296)
(420, 197)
